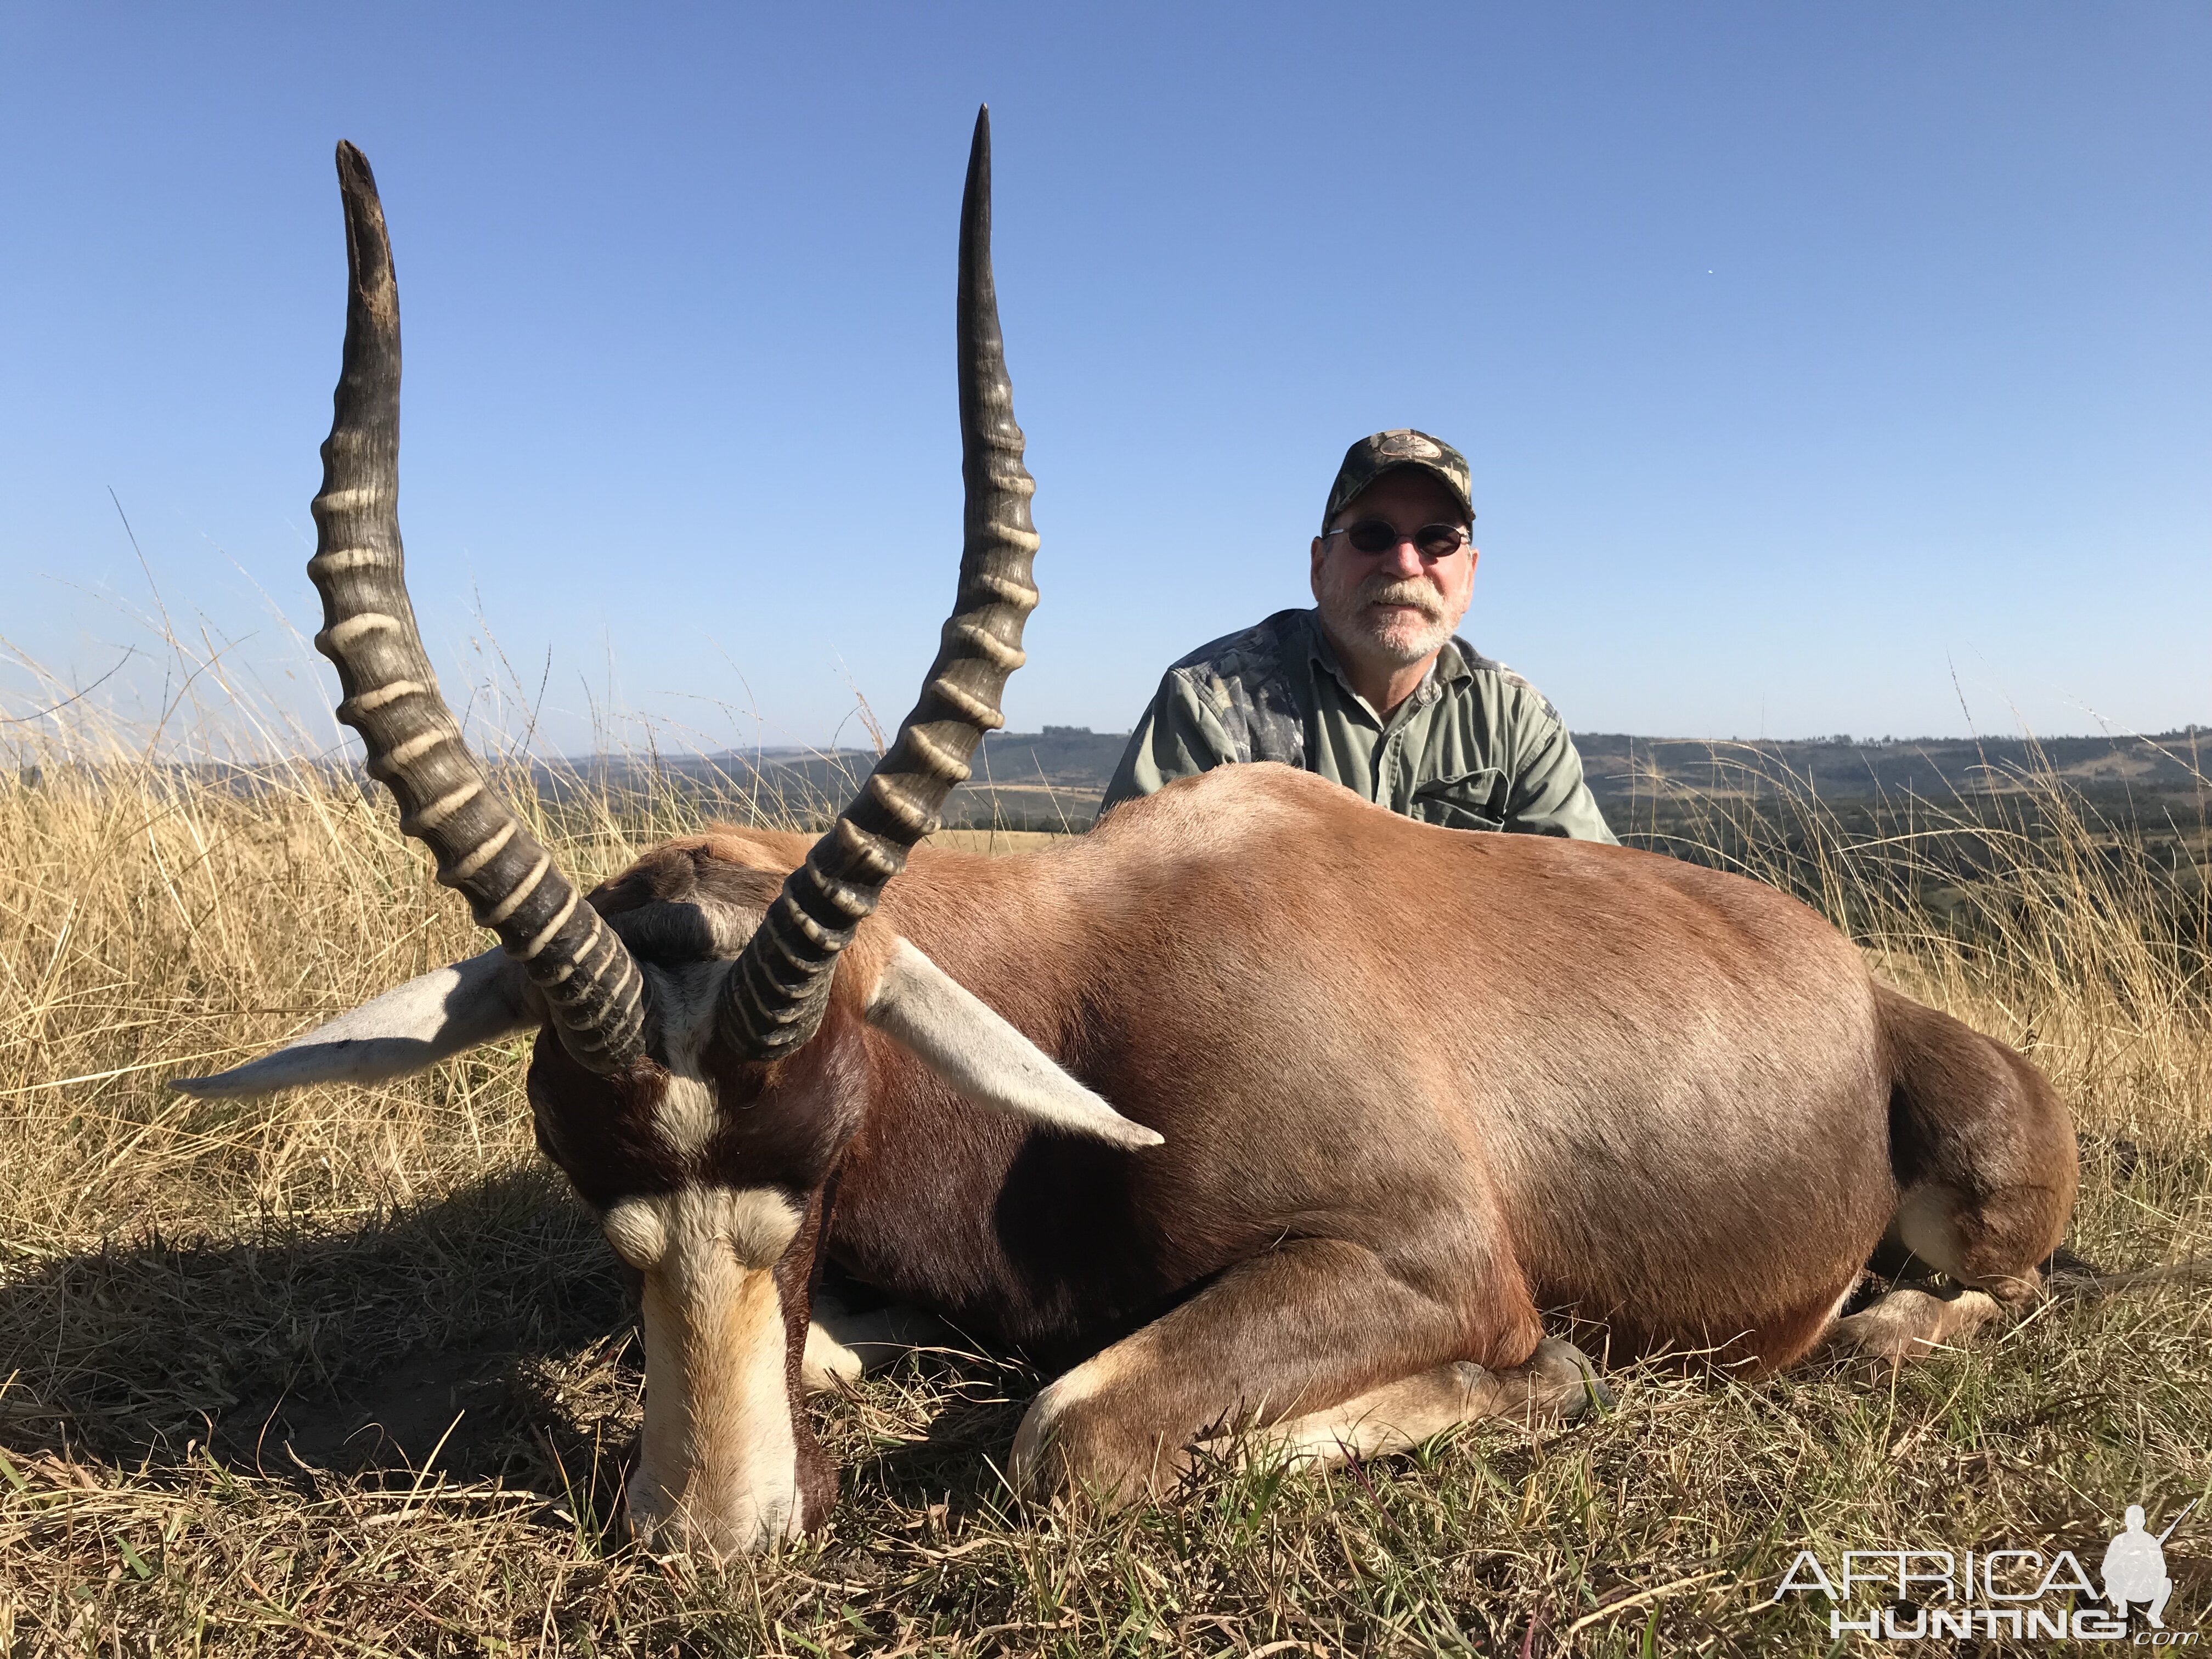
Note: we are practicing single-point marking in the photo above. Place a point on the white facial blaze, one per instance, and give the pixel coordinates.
(718, 1465)
(684, 997)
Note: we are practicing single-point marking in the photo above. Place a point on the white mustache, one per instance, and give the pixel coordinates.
(1385, 590)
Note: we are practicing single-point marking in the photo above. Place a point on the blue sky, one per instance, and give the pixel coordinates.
(1823, 367)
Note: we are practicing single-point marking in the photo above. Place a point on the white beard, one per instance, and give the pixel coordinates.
(1397, 638)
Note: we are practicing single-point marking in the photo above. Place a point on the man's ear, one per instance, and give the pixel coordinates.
(402, 1032)
(957, 1036)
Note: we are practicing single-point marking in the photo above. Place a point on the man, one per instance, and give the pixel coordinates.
(1371, 689)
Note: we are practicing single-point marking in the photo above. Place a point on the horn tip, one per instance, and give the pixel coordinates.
(353, 171)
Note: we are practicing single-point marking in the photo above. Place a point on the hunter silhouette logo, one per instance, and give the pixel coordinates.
(2135, 1567)
(1917, 1594)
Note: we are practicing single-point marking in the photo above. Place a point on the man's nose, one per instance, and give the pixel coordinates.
(1405, 559)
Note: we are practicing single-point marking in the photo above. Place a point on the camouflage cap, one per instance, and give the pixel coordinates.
(1371, 457)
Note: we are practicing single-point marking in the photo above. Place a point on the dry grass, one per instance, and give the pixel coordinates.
(202, 1305)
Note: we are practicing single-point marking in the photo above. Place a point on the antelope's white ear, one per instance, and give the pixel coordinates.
(403, 1032)
(957, 1036)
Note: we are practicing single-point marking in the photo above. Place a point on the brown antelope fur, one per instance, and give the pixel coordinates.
(1416, 1085)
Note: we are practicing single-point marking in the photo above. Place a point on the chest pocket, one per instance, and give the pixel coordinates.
(1472, 800)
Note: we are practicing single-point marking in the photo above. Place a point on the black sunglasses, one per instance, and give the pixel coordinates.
(1431, 541)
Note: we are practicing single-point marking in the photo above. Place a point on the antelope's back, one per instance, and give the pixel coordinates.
(1646, 1063)
(1348, 1023)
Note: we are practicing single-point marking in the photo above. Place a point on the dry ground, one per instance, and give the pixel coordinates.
(345, 1372)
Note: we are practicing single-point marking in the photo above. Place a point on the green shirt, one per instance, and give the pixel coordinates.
(1474, 747)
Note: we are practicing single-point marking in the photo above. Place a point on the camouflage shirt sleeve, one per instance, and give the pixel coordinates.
(1228, 701)
(1549, 795)
(1179, 737)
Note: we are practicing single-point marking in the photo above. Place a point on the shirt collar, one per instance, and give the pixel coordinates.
(1450, 667)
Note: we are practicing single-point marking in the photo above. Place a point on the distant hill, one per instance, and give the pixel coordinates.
(1054, 778)
(1935, 768)
(1047, 780)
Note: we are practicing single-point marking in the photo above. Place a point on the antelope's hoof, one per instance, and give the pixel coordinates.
(1908, 1323)
(1565, 1379)
(1069, 1445)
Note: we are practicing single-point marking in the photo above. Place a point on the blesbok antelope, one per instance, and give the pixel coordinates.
(1381, 1092)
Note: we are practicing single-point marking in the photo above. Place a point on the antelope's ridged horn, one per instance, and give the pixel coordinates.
(773, 1000)
(415, 745)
